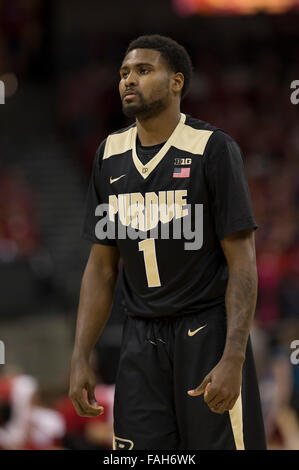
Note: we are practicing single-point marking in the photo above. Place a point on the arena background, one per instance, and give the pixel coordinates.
(59, 64)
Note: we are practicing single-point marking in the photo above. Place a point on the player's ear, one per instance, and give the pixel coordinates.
(177, 82)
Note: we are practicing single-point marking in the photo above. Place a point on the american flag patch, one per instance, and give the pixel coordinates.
(181, 172)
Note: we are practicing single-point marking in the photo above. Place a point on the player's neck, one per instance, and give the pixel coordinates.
(159, 128)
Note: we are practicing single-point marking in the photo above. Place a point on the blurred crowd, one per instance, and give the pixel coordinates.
(30, 421)
(21, 31)
(243, 87)
(19, 229)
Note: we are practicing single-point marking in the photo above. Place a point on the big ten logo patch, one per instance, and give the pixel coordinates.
(182, 161)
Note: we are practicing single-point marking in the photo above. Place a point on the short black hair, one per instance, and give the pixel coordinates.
(174, 54)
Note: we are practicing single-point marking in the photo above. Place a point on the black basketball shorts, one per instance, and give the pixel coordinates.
(160, 360)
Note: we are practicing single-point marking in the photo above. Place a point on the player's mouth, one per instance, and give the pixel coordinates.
(128, 95)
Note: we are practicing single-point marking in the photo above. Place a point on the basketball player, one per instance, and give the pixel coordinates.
(186, 376)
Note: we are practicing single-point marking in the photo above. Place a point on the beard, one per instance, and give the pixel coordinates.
(146, 109)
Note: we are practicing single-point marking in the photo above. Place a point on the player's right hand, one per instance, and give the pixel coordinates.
(83, 380)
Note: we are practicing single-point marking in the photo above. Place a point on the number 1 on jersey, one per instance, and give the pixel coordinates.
(150, 261)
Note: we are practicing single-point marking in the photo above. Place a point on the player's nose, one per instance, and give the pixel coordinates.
(131, 79)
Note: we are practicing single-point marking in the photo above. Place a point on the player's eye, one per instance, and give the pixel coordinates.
(143, 71)
(124, 74)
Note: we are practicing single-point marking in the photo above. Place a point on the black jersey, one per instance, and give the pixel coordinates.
(168, 215)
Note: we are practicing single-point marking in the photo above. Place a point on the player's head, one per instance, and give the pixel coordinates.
(157, 70)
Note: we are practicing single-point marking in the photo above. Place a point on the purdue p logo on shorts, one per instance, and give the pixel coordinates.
(122, 444)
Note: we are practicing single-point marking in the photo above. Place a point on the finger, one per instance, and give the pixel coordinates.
(220, 407)
(91, 397)
(226, 404)
(217, 409)
(76, 402)
(211, 393)
(79, 409)
(84, 408)
(91, 404)
(214, 396)
(208, 387)
(201, 388)
(89, 410)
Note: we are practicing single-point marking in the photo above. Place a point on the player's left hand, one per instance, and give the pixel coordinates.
(221, 387)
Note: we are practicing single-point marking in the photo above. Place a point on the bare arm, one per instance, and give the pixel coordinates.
(221, 387)
(96, 297)
(241, 292)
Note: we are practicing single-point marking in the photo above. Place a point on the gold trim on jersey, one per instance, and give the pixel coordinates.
(118, 143)
(145, 170)
(236, 419)
(184, 138)
(193, 140)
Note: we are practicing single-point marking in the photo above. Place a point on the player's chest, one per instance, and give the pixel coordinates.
(174, 172)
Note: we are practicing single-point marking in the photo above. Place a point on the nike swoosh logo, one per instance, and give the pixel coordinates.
(112, 180)
(192, 333)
